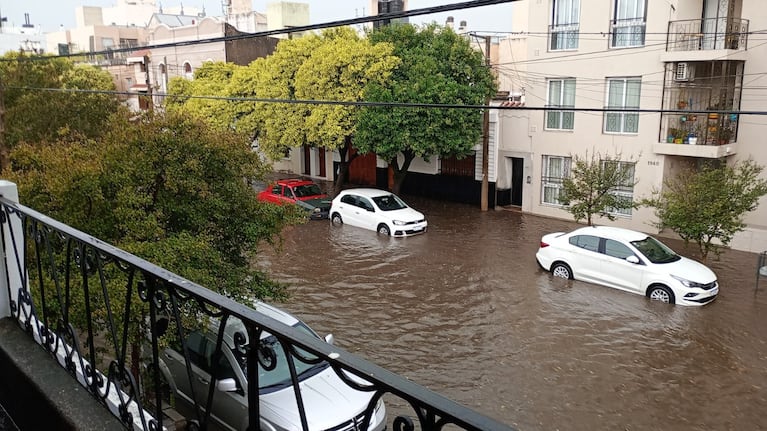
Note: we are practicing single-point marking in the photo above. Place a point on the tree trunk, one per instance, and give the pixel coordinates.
(343, 166)
(400, 172)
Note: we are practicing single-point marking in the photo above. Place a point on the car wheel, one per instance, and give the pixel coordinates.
(561, 270)
(661, 293)
(384, 230)
(336, 219)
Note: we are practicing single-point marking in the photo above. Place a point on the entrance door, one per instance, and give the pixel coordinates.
(517, 180)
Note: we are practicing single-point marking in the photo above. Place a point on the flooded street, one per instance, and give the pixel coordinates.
(465, 311)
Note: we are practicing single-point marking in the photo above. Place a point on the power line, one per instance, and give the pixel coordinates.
(297, 29)
(396, 104)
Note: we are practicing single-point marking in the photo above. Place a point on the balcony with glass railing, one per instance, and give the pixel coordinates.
(700, 109)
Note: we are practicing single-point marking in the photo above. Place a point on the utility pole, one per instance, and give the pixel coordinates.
(485, 137)
(150, 106)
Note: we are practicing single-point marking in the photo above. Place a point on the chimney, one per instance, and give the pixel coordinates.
(462, 26)
(449, 22)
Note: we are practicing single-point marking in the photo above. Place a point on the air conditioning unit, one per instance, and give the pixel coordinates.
(684, 72)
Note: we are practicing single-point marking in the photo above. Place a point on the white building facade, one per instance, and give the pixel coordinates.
(574, 60)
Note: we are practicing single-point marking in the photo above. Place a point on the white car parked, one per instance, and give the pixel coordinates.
(329, 403)
(627, 260)
(377, 210)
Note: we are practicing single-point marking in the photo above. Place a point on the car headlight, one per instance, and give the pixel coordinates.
(399, 222)
(687, 283)
(317, 210)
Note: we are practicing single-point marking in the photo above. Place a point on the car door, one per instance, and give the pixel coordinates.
(368, 216)
(287, 195)
(228, 407)
(585, 259)
(617, 271)
(350, 210)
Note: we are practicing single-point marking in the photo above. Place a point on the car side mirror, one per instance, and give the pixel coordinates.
(632, 259)
(330, 339)
(227, 385)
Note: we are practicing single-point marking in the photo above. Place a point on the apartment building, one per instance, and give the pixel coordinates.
(691, 66)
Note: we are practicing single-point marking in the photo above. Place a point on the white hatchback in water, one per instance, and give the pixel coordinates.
(377, 210)
(627, 260)
(329, 402)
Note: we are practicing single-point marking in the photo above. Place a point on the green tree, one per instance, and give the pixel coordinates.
(706, 205)
(438, 67)
(42, 102)
(590, 188)
(169, 189)
(332, 67)
(206, 96)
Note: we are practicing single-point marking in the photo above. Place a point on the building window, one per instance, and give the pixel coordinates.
(623, 191)
(622, 93)
(188, 71)
(563, 33)
(628, 24)
(561, 95)
(555, 170)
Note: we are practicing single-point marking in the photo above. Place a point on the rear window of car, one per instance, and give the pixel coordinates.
(587, 242)
(349, 199)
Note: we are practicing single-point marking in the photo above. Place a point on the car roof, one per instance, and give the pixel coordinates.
(293, 182)
(367, 192)
(235, 324)
(627, 235)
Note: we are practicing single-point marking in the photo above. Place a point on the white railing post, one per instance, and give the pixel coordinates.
(8, 265)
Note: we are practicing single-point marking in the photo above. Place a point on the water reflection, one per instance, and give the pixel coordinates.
(464, 310)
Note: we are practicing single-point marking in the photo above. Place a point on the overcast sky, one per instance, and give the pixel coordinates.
(50, 14)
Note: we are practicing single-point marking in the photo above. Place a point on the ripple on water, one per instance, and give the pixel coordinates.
(464, 310)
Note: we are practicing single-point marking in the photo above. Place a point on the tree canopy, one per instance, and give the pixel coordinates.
(168, 188)
(331, 68)
(592, 185)
(41, 104)
(437, 66)
(706, 205)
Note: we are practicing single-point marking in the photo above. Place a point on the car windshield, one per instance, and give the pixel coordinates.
(279, 377)
(655, 251)
(307, 190)
(389, 203)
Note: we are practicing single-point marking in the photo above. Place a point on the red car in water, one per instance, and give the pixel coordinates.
(304, 193)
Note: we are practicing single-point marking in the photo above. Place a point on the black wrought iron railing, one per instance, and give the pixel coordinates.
(707, 34)
(143, 341)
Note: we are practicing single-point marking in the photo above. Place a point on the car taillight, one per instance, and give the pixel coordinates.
(543, 244)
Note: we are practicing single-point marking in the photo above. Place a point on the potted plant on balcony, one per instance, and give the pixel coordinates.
(724, 135)
(695, 132)
(675, 135)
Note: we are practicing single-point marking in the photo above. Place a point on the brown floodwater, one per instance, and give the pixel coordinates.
(465, 311)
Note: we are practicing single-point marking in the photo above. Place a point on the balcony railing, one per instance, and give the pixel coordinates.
(700, 128)
(106, 316)
(627, 33)
(563, 37)
(707, 34)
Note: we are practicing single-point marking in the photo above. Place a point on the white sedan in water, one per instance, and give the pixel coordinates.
(377, 210)
(627, 260)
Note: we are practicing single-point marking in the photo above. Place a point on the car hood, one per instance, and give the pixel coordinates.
(327, 399)
(405, 214)
(323, 202)
(689, 270)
